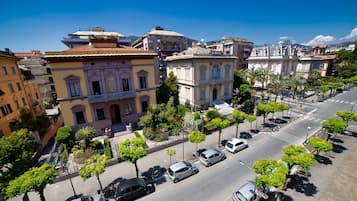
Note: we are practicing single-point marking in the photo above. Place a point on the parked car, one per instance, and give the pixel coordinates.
(96, 197)
(224, 142)
(245, 192)
(234, 145)
(132, 189)
(181, 170)
(211, 156)
(198, 152)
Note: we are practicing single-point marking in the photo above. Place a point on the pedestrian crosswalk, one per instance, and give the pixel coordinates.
(314, 119)
(341, 101)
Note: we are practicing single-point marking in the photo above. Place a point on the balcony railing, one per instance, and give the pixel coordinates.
(111, 96)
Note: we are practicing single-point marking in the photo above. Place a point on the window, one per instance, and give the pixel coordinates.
(1, 133)
(18, 86)
(144, 106)
(96, 88)
(50, 79)
(37, 95)
(187, 73)
(80, 118)
(202, 94)
(73, 85)
(53, 88)
(74, 89)
(17, 104)
(4, 70)
(128, 109)
(226, 72)
(23, 101)
(225, 91)
(11, 88)
(187, 95)
(216, 73)
(142, 75)
(100, 114)
(6, 109)
(13, 70)
(48, 71)
(111, 83)
(125, 83)
(202, 73)
(143, 84)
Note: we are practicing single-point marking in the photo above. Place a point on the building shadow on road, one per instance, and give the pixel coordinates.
(155, 175)
(109, 191)
(74, 197)
(301, 184)
(323, 159)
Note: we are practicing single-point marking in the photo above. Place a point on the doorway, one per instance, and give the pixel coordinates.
(115, 114)
(214, 94)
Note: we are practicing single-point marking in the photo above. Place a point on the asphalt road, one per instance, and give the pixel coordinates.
(218, 182)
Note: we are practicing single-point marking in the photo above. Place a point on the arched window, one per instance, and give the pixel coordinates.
(202, 72)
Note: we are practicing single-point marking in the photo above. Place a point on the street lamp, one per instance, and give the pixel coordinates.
(307, 134)
(273, 125)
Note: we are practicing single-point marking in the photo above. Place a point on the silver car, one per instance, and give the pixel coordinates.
(97, 197)
(211, 156)
(245, 192)
(181, 170)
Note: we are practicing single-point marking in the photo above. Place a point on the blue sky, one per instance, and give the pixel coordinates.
(40, 24)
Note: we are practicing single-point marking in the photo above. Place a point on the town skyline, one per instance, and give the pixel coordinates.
(26, 26)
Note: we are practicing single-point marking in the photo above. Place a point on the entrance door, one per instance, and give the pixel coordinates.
(96, 88)
(115, 114)
(214, 94)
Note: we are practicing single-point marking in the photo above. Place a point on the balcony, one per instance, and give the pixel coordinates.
(111, 96)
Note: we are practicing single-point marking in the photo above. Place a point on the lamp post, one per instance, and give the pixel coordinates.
(307, 134)
(273, 125)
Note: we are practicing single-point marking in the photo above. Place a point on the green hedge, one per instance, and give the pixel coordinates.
(108, 150)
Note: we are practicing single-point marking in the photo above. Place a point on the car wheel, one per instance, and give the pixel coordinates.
(176, 180)
(208, 164)
(195, 172)
(224, 158)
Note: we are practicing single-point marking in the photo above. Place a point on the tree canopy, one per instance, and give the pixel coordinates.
(94, 166)
(264, 109)
(85, 134)
(169, 88)
(270, 173)
(64, 136)
(347, 116)
(319, 144)
(334, 125)
(196, 137)
(34, 179)
(132, 150)
(238, 117)
(297, 155)
(220, 124)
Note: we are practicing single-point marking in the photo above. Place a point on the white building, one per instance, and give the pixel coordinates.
(204, 75)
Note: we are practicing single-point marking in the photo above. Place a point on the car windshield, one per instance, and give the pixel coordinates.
(170, 171)
(229, 145)
(187, 163)
(204, 156)
(240, 196)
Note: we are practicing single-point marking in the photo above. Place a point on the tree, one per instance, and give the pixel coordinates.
(169, 88)
(171, 152)
(251, 118)
(29, 121)
(34, 179)
(297, 83)
(94, 166)
(263, 77)
(64, 136)
(238, 79)
(277, 84)
(196, 137)
(85, 134)
(131, 150)
(245, 92)
(264, 109)
(270, 173)
(238, 117)
(297, 155)
(319, 145)
(15, 151)
(251, 75)
(334, 125)
(220, 124)
(347, 116)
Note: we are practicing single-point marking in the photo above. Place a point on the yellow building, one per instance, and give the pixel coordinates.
(103, 84)
(16, 91)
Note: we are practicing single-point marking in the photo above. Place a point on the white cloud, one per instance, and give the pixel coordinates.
(352, 35)
(321, 40)
(284, 37)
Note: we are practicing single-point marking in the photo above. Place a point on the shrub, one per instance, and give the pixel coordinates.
(211, 114)
(162, 136)
(196, 116)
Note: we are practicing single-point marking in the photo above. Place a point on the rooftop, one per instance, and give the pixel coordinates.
(198, 52)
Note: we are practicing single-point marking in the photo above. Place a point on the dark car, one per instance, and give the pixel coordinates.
(132, 189)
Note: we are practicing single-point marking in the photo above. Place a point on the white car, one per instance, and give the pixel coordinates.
(234, 145)
(97, 197)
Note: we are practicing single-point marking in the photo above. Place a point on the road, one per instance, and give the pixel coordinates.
(219, 181)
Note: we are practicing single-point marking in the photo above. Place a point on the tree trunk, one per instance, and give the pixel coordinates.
(256, 124)
(237, 131)
(25, 197)
(295, 89)
(136, 169)
(276, 97)
(42, 196)
(100, 184)
(219, 138)
(170, 160)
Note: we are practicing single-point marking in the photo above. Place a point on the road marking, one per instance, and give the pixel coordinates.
(342, 101)
(348, 102)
